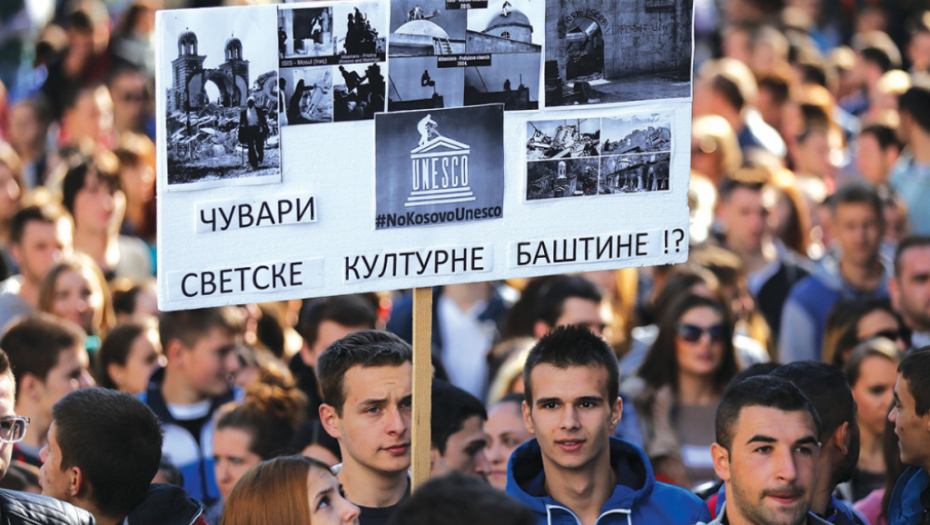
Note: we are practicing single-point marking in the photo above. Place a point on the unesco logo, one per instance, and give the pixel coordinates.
(439, 168)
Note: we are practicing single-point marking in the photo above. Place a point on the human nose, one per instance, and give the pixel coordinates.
(893, 415)
(222, 471)
(786, 469)
(350, 512)
(569, 418)
(494, 453)
(85, 379)
(43, 454)
(231, 363)
(395, 421)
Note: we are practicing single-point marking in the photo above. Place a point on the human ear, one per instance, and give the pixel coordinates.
(528, 418)
(30, 386)
(721, 461)
(842, 436)
(330, 420)
(616, 413)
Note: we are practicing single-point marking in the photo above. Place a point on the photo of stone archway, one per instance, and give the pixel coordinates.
(608, 51)
(221, 99)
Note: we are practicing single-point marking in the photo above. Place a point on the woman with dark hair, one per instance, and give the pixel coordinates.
(311, 440)
(291, 490)
(74, 289)
(677, 389)
(852, 321)
(254, 430)
(128, 357)
(871, 371)
(875, 506)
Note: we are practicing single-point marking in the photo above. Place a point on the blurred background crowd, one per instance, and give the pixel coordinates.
(810, 206)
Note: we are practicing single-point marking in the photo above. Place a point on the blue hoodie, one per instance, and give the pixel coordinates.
(905, 507)
(638, 499)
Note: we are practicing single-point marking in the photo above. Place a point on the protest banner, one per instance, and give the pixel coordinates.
(417, 143)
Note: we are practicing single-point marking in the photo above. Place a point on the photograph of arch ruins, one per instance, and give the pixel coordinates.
(609, 51)
(220, 71)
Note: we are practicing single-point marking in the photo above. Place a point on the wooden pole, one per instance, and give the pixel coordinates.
(422, 383)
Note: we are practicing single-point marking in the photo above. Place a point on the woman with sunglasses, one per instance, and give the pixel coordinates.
(676, 391)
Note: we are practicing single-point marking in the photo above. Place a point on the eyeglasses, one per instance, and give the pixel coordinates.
(892, 335)
(692, 333)
(13, 428)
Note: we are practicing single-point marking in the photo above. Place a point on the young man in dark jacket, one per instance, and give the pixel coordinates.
(910, 501)
(574, 472)
(19, 507)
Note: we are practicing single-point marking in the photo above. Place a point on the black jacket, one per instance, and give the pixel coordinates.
(31, 509)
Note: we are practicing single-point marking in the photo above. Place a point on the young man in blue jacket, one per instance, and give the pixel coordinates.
(574, 472)
(910, 501)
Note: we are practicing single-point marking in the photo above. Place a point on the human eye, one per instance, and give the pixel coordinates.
(511, 442)
(877, 390)
(6, 424)
(764, 449)
(550, 405)
(406, 403)
(372, 410)
(806, 450)
(324, 502)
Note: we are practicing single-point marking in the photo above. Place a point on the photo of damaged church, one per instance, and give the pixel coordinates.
(222, 104)
(607, 51)
(634, 173)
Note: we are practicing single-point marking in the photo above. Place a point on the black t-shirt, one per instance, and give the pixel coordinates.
(381, 515)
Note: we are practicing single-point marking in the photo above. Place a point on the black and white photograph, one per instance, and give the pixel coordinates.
(360, 31)
(555, 179)
(636, 134)
(308, 94)
(563, 139)
(439, 166)
(634, 173)
(507, 26)
(419, 83)
(610, 51)
(512, 79)
(221, 106)
(358, 91)
(426, 27)
(304, 33)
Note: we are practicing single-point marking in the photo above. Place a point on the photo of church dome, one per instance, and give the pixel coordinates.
(426, 28)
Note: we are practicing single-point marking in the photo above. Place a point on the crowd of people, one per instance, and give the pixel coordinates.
(780, 376)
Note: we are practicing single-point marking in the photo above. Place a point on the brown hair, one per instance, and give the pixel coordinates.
(272, 493)
(78, 262)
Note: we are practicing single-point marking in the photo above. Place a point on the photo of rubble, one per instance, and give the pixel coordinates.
(563, 139)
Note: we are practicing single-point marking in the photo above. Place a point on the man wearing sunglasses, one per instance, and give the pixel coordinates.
(18, 507)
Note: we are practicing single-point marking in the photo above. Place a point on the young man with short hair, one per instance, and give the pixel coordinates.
(49, 360)
(457, 432)
(39, 237)
(855, 270)
(19, 507)
(911, 174)
(199, 346)
(826, 387)
(573, 471)
(910, 500)
(766, 453)
(910, 287)
(367, 384)
(569, 300)
(104, 448)
(320, 324)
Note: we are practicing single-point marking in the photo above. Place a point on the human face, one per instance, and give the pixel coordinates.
(506, 432)
(143, 359)
(69, 374)
(92, 115)
(42, 245)
(55, 483)
(858, 229)
(578, 311)
(77, 297)
(328, 503)
(464, 451)
(874, 392)
(702, 357)
(912, 429)
(128, 90)
(7, 402)
(571, 417)
(210, 363)
(138, 180)
(814, 155)
(745, 217)
(374, 429)
(910, 290)
(232, 457)
(870, 159)
(320, 453)
(771, 468)
(879, 323)
(96, 204)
